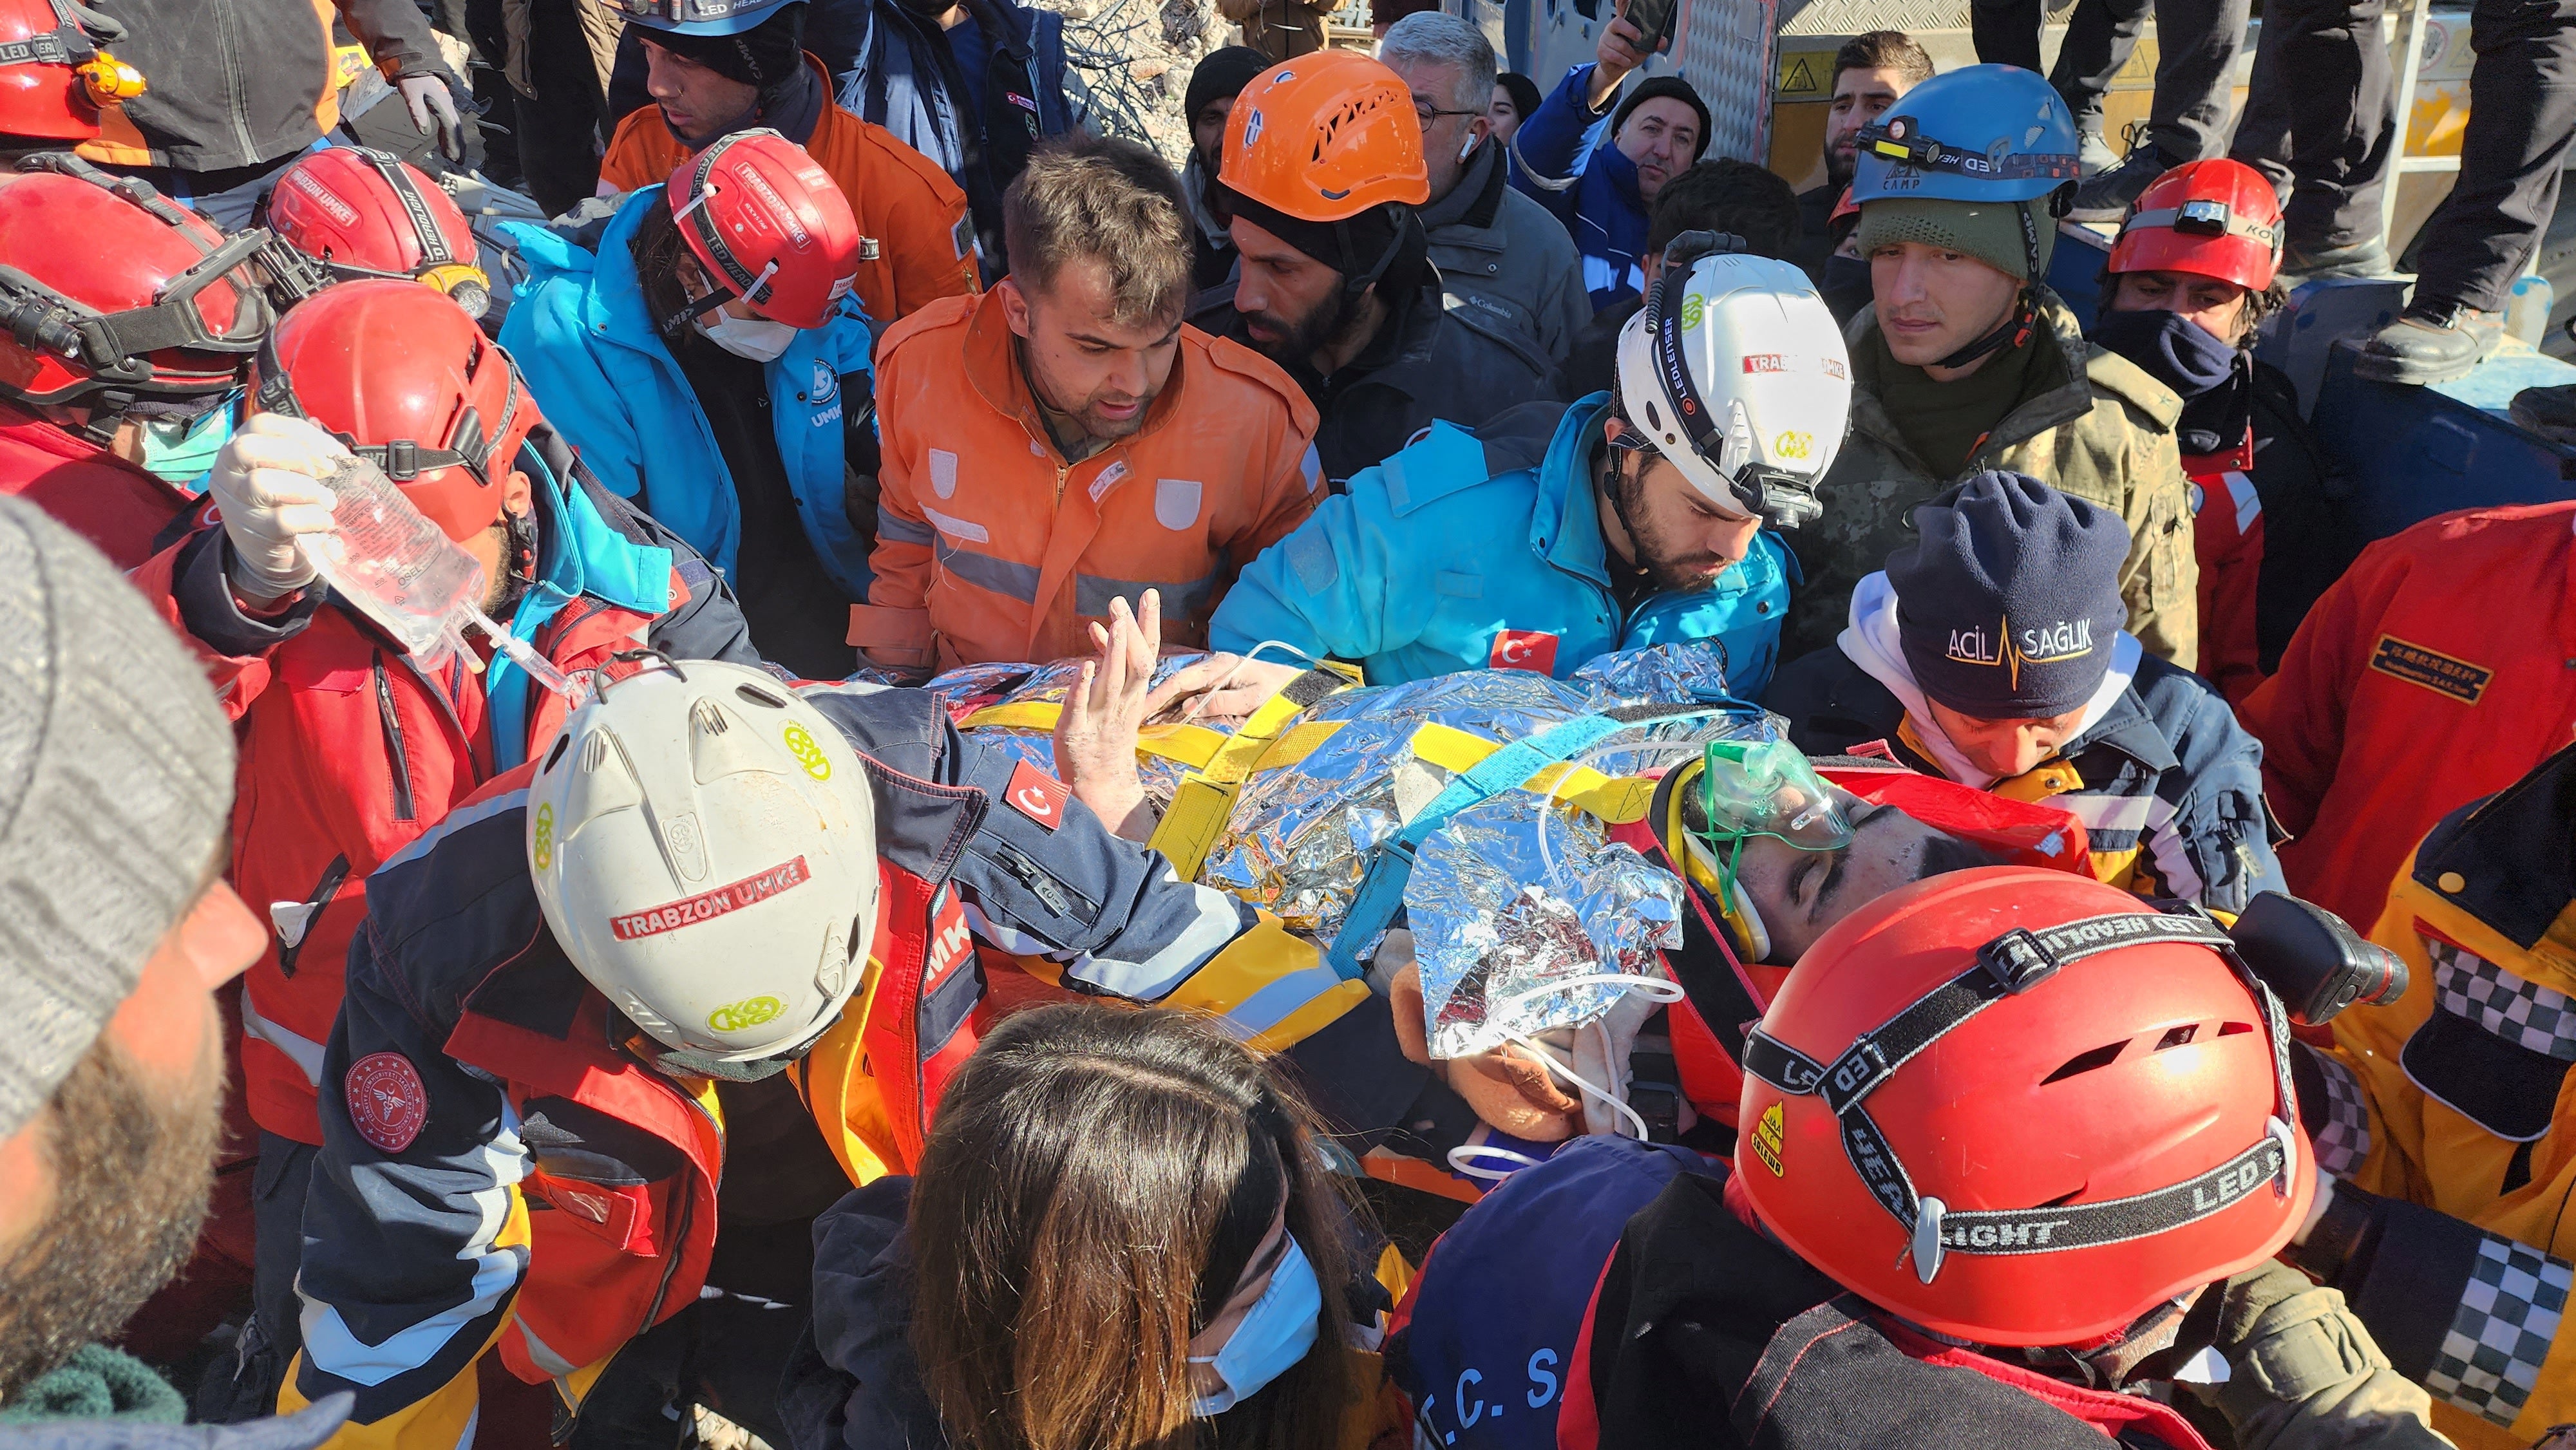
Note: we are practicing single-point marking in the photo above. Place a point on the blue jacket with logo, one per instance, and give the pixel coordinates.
(583, 335)
(1595, 195)
(1432, 555)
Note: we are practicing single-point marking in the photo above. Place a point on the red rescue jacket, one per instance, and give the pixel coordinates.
(103, 498)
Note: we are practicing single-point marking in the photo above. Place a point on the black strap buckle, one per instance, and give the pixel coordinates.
(2017, 960)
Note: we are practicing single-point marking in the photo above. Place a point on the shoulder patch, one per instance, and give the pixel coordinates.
(387, 1103)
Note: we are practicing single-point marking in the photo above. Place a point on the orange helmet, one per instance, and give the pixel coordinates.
(1324, 137)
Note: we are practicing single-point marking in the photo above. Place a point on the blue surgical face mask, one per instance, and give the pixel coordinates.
(1276, 1334)
(180, 450)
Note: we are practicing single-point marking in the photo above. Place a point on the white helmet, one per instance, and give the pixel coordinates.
(1735, 369)
(704, 847)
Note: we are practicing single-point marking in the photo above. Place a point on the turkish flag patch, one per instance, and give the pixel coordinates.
(1523, 649)
(387, 1103)
(1037, 795)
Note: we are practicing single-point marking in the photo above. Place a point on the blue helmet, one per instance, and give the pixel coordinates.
(1981, 133)
(699, 17)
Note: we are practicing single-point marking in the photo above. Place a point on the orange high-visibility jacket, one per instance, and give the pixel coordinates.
(917, 245)
(990, 546)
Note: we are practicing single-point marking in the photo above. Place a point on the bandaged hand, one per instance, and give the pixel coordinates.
(268, 493)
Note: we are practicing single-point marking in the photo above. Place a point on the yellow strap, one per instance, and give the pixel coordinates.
(1199, 808)
(1613, 799)
(1190, 745)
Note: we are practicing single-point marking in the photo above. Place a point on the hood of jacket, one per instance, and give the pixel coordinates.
(612, 307)
(1871, 642)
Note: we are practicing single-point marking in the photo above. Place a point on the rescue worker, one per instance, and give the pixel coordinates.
(350, 747)
(1658, 132)
(123, 364)
(346, 212)
(1968, 362)
(669, 1042)
(1333, 280)
(1557, 534)
(238, 91)
(2444, 647)
(1066, 440)
(2436, 1115)
(2191, 275)
(714, 77)
(1215, 81)
(1496, 250)
(1905, 1272)
(64, 77)
(708, 365)
(1990, 651)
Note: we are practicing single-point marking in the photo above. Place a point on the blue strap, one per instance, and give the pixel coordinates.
(1381, 891)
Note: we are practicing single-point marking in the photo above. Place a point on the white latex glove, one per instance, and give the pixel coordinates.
(426, 97)
(268, 492)
(1601, 1057)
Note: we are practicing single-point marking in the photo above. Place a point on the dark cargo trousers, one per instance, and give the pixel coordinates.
(2197, 39)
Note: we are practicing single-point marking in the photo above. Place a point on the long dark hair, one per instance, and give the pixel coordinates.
(1097, 1181)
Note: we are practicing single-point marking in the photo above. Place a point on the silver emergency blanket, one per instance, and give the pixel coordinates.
(971, 688)
(1513, 895)
(1300, 836)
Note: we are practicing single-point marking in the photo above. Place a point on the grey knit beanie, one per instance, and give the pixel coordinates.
(116, 777)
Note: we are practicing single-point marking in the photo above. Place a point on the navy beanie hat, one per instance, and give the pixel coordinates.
(2008, 602)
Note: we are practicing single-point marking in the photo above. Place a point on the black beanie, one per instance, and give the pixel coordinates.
(1221, 75)
(762, 56)
(1671, 88)
(2008, 602)
(1367, 235)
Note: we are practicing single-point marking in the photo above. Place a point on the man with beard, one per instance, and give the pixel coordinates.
(1066, 440)
(118, 769)
(1870, 72)
(1221, 76)
(1556, 534)
(1323, 167)
(710, 78)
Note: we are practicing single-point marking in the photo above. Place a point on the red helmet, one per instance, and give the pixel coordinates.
(405, 379)
(768, 226)
(2023, 1108)
(53, 76)
(2216, 218)
(347, 212)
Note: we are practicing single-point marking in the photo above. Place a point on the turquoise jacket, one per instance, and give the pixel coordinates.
(1432, 556)
(584, 338)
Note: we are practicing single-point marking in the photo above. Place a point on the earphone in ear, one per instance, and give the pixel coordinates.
(1467, 147)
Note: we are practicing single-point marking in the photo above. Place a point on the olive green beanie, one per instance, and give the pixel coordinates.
(1985, 230)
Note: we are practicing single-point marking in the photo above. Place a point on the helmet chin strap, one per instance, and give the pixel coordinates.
(2023, 320)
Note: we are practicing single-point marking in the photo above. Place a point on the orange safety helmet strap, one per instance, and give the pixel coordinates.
(2007, 966)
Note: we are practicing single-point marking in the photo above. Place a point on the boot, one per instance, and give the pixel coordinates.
(2368, 258)
(2106, 198)
(2429, 344)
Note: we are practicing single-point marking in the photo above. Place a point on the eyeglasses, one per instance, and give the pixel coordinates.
(1429, 113)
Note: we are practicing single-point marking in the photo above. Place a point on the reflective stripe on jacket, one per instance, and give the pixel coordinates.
(2448, 1103)
(2434, 672)
(991, 546)
(581, 332)
(349, 750)
(916, 245)
(416, 1260)
(1432, 558)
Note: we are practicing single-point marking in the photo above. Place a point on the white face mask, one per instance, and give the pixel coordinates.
(756, 338)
